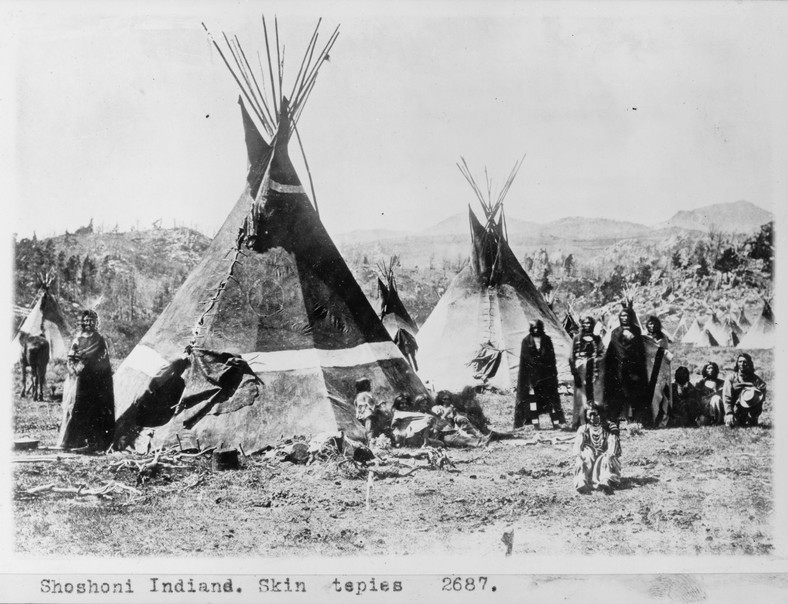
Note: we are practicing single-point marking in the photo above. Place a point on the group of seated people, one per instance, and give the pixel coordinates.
(736, 400)
(449, 420)
(458, 420)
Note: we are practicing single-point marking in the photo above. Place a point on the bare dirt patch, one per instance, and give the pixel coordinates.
(684, 491)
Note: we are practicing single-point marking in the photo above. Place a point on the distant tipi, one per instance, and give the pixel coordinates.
(396, 319)
(270, 332)
(693, 333)
(474, 333)
(761, 333)
(44, 318)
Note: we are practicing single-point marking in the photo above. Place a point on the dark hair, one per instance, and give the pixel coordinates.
(422, 401)
(444, 394)
(711, 371)
(89, 313)
(682, 375)
(746, 357)
(657, 324)
(363, 385)
(401, 401)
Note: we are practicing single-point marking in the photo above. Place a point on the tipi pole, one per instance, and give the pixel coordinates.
(270, 70)
(308, 171)
(221, 54)
(307, 58)
(259, 91)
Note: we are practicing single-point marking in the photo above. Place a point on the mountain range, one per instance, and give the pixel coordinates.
(738, 217)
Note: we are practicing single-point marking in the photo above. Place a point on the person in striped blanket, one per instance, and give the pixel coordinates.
(597, 452)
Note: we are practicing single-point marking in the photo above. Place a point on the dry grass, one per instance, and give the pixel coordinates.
(684, 491)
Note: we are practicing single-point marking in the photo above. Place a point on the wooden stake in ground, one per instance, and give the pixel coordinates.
(370, 478)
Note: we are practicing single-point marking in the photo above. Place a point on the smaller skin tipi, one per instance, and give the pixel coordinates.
(761, 335)
(680, 331)
(44, 319)
(694, 332)
(395, 317)
(474, 334)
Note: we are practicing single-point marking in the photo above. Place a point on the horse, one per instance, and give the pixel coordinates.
(35, 355)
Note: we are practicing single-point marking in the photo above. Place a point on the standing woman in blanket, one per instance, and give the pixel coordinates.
(88, 398)
(654, 331)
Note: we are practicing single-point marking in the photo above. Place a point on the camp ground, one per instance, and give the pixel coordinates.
(237, 354)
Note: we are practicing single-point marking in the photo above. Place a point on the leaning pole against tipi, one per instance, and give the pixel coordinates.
(474, 334)
(269, 333)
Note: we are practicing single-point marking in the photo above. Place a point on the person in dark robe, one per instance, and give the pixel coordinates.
(587, 353)
(88, 397)
(626, 381)
(537, 379)
(654, 331)
(686, 408)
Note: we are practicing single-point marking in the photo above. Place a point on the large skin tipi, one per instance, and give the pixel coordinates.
(44, 318)
(269, 333)
(474, 333)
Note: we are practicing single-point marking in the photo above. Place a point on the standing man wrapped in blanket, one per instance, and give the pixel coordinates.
(584, 363)
(626, 380)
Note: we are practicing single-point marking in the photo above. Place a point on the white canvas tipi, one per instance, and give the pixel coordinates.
(761, 333)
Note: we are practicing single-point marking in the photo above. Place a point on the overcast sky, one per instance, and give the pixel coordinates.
(124, 113)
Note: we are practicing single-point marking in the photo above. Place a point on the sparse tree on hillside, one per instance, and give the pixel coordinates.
(703, 268)
(569, 265)
(676, 260)
(88, 277)
(545, 287)
(728, 261)
(644, 272)
(71, 273)
(611, 288)
(762, 246)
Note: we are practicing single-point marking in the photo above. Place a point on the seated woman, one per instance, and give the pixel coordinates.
(367, 408)
(597, 450)
(686, 401)
(409, 425)
(452, 427)
(709, 387)
(743, 394)
(467, 404)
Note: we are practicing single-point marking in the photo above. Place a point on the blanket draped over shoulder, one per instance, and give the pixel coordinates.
(88, 399)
